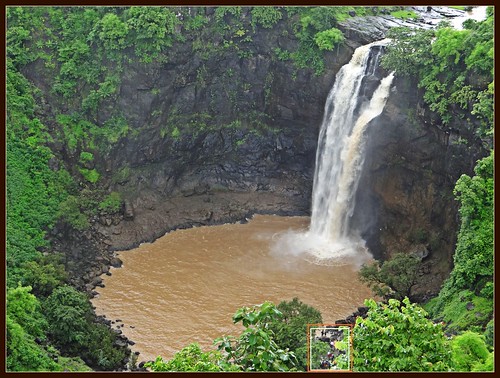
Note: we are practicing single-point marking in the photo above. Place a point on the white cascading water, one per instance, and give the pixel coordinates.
(339, 160)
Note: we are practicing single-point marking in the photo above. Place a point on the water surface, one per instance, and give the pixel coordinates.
(186, 286)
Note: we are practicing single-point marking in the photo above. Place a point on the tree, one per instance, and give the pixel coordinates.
(291, 329)
(255, 349)
(113, 31)
(474, 252)
(398, 337)
(473, 260)
(44, 274)
(69, 313)
(152, 28)
(25, 324)
(328, 39)
(23, 353)
(393, 278)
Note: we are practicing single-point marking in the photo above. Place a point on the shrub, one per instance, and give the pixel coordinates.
(399, 337)
(112, 203)
(469, 351)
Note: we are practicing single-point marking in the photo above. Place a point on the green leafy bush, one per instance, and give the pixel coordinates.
(44, 274)
(470, 352)
(328, 39)
(256, 349)
(70, 212)
(69, 313)
(398, 337)
(190, 358)
(91, 175)
(473, 259)
(265, 16)
(112, 203)
(70, 317)
(290, 331)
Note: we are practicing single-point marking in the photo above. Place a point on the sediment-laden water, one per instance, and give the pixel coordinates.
(186, 286)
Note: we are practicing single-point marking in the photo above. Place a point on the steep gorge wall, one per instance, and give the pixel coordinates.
(217, 136)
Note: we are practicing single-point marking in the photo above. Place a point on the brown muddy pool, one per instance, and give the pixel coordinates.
(185, 286)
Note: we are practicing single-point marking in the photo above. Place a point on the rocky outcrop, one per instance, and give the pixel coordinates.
(411, 167)
(363, 30)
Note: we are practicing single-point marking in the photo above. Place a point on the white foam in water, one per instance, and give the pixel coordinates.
(319, 250)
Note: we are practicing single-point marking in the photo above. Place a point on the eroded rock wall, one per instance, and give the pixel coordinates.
(217, 137)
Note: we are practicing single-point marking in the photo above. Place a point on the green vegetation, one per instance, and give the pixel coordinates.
(69, 315)
(267, 17)
(112, 203)
(190, 358)
(399, 337)
(456, 72)
(470, 353)
(472, 277)
(392, 278)
(316, 31)
(404, 14)
(290, 331)
(255, 349)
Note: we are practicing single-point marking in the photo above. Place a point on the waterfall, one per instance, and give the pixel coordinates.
(339, 159)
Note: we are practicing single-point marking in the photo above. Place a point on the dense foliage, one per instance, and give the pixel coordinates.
(470, 353)
(455, 70)
(392, 278)
(190, 358)
(290, 331)
(255, 349)
(398, 336)
(470, 285)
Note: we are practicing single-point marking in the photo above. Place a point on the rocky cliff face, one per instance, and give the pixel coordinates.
(219, 136)
(407, 204)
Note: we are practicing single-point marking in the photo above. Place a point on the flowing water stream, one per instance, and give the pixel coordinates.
(186, 286)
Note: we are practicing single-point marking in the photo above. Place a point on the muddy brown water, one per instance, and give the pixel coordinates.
(185, 286)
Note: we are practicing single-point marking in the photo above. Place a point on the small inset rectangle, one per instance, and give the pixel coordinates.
(329, 347)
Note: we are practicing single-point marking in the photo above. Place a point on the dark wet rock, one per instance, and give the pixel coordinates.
(97, 281)
(129, 211)
(116, 262)
(420, 251)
